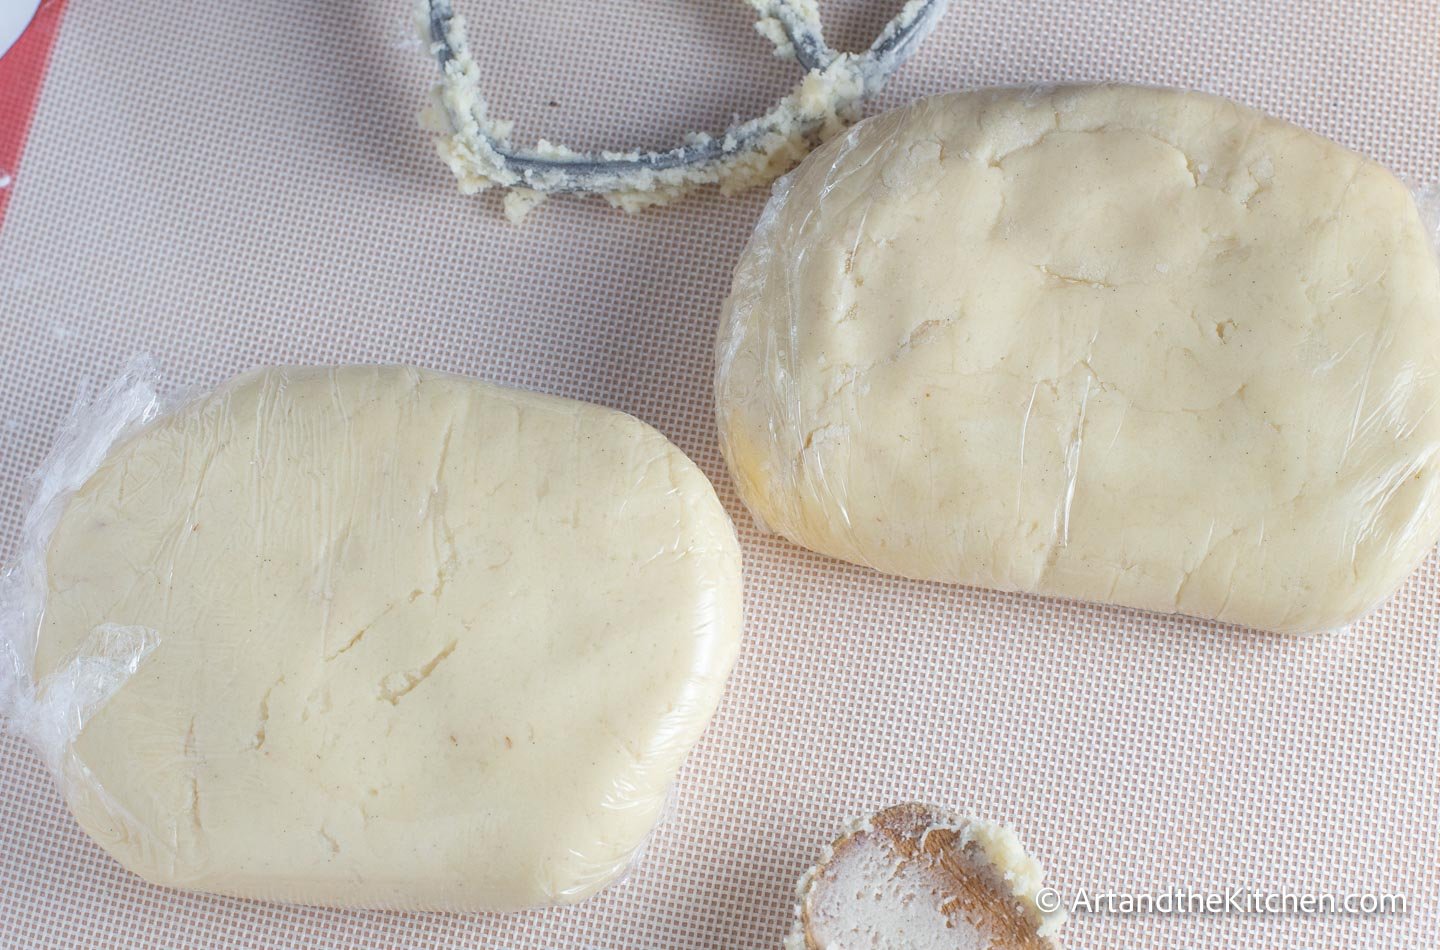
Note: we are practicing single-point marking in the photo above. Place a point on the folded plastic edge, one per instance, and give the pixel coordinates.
(51, 712)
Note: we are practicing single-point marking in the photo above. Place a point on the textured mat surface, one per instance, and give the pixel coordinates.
(225, 185)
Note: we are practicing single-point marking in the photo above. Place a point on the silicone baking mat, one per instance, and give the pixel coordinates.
(223, 185)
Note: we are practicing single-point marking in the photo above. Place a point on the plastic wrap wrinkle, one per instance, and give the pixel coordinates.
(1055, 340)
(404, 639)
(51, 713)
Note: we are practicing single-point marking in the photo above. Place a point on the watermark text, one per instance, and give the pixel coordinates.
(1237, 900)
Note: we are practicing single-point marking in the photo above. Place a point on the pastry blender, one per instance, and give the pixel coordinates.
(478, 148)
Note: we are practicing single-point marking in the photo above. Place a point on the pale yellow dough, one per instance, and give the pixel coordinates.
(1113, 343)
(423, 642)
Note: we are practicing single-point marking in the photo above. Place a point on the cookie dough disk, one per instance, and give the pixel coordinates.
(1121, 344)
(423, 642)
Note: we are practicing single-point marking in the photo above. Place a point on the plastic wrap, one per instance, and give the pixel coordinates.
(368, 636)
(1118, 344)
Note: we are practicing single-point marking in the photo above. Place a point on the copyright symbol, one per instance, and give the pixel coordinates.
(1047, 900)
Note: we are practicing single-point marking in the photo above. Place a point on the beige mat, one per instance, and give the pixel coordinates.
(228, 184)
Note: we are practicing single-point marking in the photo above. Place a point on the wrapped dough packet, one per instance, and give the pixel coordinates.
(1119, 344)
(368, 636)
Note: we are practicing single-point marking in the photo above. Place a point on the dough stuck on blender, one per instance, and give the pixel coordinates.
(917, 877)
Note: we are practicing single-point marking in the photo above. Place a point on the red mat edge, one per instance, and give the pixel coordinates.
(22, 72)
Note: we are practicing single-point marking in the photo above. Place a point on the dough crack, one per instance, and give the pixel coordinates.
(1191, 166)
(193, 806)
(924, 332)
(997, 161)
(259, 742)
(1051, 274)
(1211, 546)
(359, 634)
(397, 685)
(438, 513)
